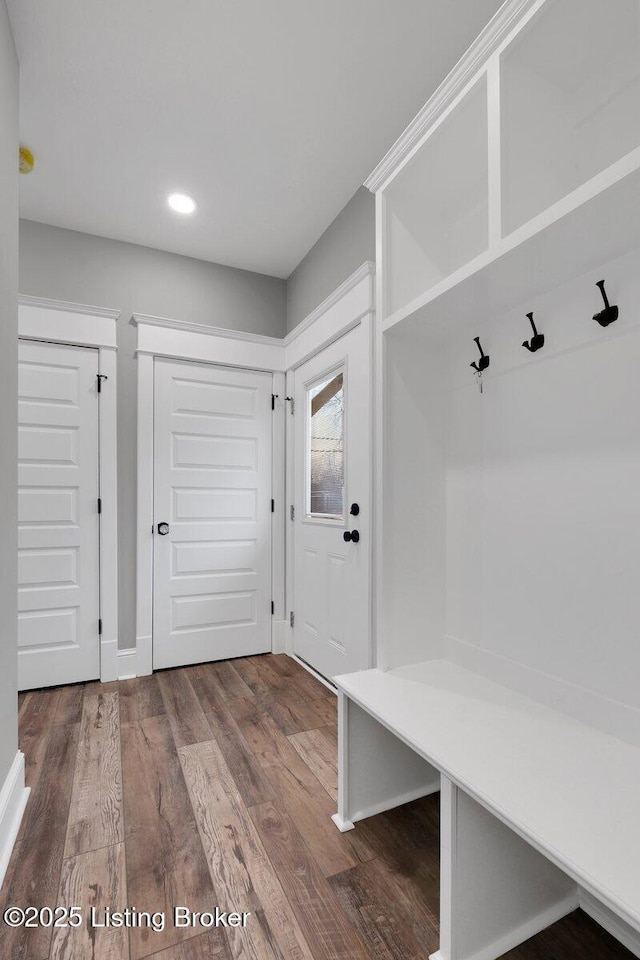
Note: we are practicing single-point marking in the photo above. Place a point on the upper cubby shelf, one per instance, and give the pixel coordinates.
(437, 211)
(522, 170)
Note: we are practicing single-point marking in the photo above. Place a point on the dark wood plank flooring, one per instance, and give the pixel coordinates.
(214, 785)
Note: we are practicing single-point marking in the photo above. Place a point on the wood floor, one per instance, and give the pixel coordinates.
(214, 785)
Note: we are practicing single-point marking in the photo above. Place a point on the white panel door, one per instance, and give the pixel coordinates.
(333, 500)
(58, 524)
(212, 510)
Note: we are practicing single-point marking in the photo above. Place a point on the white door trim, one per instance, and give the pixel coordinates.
(171, 339)
(349, 305)
(353, 302)
(56, 321)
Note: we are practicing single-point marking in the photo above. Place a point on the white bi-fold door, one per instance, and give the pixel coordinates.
(58, 523)
(332, 499)
(212, 513)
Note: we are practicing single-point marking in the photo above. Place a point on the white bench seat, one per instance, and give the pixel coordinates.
(572, 792)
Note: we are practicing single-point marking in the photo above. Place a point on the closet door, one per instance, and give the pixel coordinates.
(212, 506)
(58, 532)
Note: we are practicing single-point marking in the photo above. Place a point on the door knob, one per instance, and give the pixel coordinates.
(163, 529)
(351, 536)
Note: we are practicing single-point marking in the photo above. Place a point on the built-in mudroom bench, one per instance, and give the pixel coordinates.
(507, 478)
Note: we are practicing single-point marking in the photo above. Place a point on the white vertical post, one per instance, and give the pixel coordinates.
(144, 580)
(108, 432)
(341, 818)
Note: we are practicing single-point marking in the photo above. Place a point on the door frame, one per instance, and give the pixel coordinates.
(169, 339)
(77, 325)
(351, 304)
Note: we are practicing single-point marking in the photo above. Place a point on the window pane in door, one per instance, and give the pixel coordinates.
(325, 484)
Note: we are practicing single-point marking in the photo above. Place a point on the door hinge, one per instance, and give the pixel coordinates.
(292, 618)
(292, 512)
(99, 504)
(274, 397)
(292, 402)
(99, 628)
(273, 506)
(101, 377)
(273, 608)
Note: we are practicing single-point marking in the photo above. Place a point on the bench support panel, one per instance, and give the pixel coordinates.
(377, 771)
(496, 890)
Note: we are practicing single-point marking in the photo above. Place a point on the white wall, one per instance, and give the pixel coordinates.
(541, 482)
(8, 390)
(66, 265)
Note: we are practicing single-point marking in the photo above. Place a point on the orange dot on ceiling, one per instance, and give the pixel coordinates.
(26, 160)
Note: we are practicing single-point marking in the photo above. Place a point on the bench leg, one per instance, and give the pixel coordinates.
(376, 770)
(496, 890)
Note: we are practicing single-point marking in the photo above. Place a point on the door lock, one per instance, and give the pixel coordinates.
(351, 536)
(355, 509)
(163, 529)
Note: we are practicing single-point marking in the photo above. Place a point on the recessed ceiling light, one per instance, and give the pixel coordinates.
(181, 202)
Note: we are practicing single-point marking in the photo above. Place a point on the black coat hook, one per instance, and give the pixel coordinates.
(609, 314)
(537, 340)
(484, 360)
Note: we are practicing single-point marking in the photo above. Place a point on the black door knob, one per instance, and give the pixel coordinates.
(163, 529)
(351, 536)
(355, 509)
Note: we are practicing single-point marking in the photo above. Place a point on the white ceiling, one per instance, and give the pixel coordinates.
(269, 112)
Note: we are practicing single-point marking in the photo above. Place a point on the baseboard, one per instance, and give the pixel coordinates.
(278, 636)
(13, 800)
(617, 719)
(622, 932)
(394, 802)
(342, 825)
(127, 664)
(108, 660)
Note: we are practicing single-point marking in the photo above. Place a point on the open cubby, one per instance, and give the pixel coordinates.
(570, 91)
(436, 209)
(511, 517)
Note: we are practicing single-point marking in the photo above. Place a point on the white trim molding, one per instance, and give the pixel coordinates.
(61, 322)
(180, 340)
(140, 319)
(350, 304)
(470, 63)
(13, 800)
(69, 307)
(366, 269)
(127, 664)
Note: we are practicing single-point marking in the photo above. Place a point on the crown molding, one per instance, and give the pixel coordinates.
(367, 269)
(144, 319)
(68, 307)
(470, 63)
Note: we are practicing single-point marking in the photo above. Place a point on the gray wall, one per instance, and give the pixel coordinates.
(342, 248)
(8, 391)
(65, 265)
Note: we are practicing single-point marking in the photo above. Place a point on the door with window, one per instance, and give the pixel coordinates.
(212, 513)
(58, 532)
(332, 503)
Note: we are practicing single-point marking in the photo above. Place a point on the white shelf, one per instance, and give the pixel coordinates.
(597, 222)
(436, 210)
(566, 788)
(570, 85)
